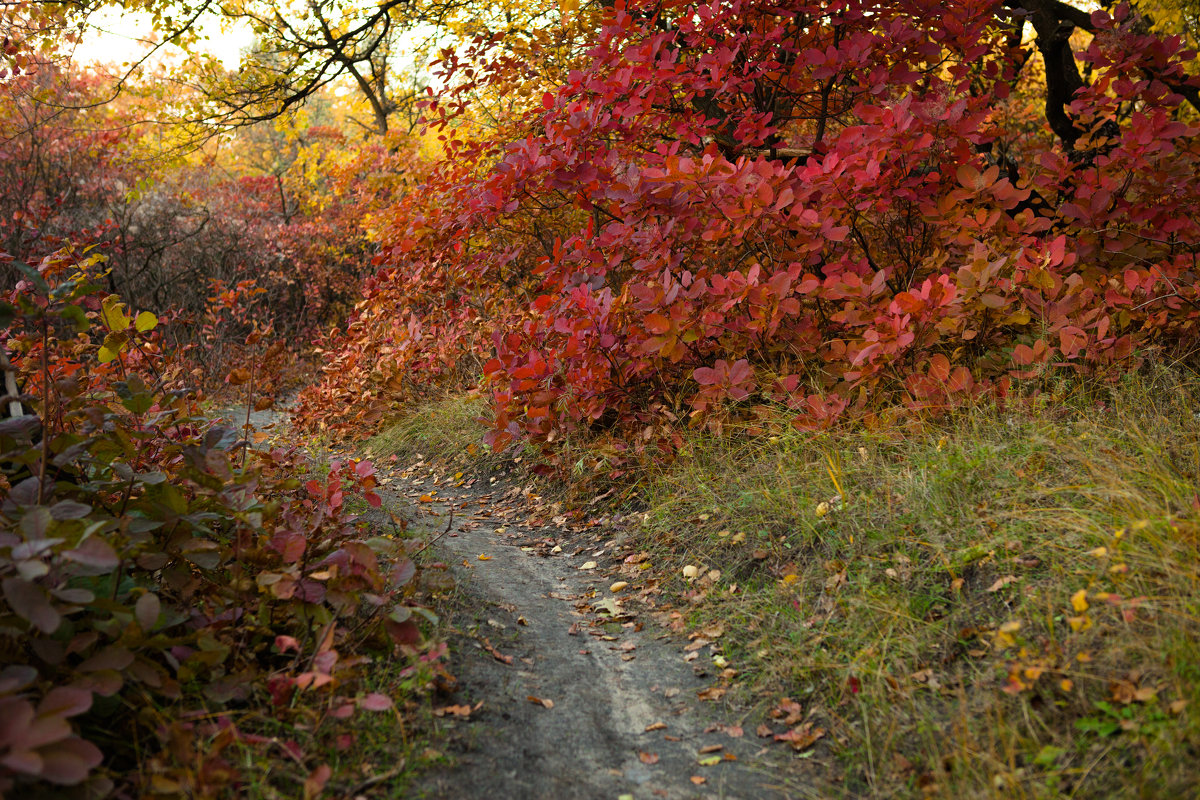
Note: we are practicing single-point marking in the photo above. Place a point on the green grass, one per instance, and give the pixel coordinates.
(917, 588)
(445, 429)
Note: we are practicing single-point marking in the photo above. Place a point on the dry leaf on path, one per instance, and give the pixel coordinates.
(801, 738)
(462, 711)
(647, 758)
(1002, 582)
(541, 701)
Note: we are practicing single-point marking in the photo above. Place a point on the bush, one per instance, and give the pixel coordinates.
(153, 565)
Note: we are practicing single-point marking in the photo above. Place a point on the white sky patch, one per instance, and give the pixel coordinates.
(116, 38)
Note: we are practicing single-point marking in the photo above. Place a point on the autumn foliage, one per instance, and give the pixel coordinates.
(639, 215)
(156, 571)
(829, 206)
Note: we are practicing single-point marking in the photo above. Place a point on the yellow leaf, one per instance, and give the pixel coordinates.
(145, 322)
(1066, 684)
(788, 580)
(482, 557)
(710, 761)
(106, 355)
(1099, 552)
(112, 314)
(618, 586)
(1079, 601)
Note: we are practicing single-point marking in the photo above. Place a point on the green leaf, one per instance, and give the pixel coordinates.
(76, 315)
(8, 313)
(1048, 755)
(138, 403)
(36, 277)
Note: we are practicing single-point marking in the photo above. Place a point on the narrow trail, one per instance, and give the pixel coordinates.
(621, 713)
(566, 690)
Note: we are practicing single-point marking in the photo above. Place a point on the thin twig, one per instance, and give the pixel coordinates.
(377, 779)
(439, 536)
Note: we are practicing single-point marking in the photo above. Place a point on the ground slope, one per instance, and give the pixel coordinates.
(620, 711)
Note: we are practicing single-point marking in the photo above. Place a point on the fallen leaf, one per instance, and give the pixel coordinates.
(647, 758)
(1002, 582)
(801, 738)
(1079, 601)
(764, 732)
(482, 557)
(496, 654)
(711, 693)
(789, 710)
(734, 732)
(655, 726)
(618, 586)
(711, 748)
(589, 565)
(710, 761)
(541, 701)
(455, 711)
(698, 779)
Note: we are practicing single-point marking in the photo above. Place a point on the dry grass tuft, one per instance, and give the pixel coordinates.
(1005, 603)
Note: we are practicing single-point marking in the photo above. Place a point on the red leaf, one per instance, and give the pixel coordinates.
(68, 762)
(375, 702)
(65, 701)
(30, 602)
(657, 324)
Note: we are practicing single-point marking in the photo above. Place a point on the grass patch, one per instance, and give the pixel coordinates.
(446, 429)
(1005, 603)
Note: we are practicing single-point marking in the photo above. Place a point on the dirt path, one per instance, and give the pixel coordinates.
(571, 692)
(621, 714)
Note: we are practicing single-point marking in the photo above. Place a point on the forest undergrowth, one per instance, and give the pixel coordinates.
(999, 601)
